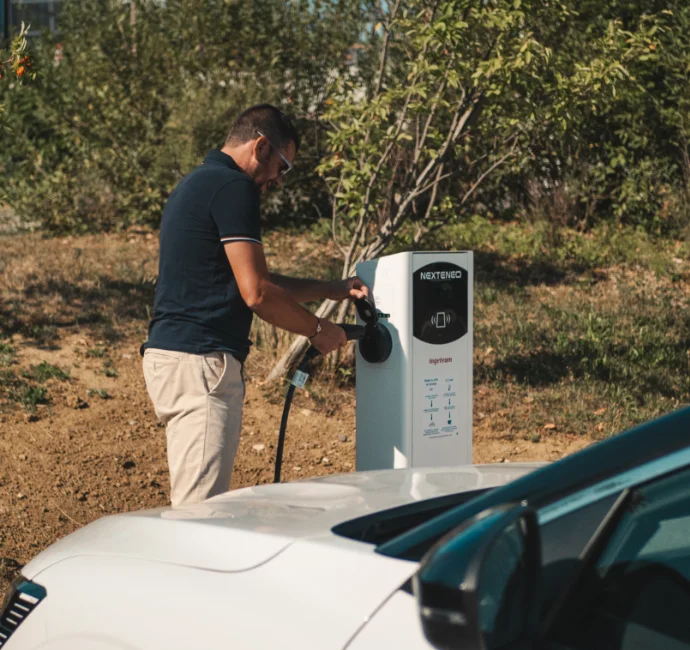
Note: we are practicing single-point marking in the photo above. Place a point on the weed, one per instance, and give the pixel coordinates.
(44, 371)
(109, 368)
(6, 354)
(42, 334)
(7, 378)
(99, 392)
(97, 353)
(29, 396)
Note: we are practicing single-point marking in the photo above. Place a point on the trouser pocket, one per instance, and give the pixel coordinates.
(214, 369)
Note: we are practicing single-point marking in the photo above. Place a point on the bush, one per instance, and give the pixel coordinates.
(598, 101)
(141, 92)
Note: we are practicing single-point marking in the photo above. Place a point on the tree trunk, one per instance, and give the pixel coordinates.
(299, 345)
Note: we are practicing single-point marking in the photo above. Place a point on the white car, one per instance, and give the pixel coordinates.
(290, 565)
(589, 553)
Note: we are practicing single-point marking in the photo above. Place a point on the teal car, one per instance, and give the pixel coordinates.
(588, 553)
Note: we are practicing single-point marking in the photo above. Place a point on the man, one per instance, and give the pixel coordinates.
(212, 279)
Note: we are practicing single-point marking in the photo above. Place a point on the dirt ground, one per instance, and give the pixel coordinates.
(95, 447)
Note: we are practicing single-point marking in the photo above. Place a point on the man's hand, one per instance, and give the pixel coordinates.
(330, 338)
(352, 288)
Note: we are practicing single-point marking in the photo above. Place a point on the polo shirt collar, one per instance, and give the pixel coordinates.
(218, 157)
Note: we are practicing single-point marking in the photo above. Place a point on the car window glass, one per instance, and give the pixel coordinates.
(637, 594)
(562, 543)
(655, 527)
(670, 538)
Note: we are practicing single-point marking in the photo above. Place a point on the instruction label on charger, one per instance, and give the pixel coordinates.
(439, 407)
(299, 379)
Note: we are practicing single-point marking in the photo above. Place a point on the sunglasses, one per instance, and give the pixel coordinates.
(286, 165)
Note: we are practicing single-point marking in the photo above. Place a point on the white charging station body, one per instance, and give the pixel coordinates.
(415, 409)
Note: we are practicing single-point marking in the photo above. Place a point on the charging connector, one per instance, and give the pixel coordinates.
(375, 345)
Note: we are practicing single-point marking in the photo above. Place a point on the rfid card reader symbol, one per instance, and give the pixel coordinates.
(440, 319)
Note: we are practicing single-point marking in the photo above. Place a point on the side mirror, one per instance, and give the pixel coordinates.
(477, 587)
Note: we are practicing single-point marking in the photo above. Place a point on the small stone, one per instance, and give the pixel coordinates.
(297, 468)
(347, 465)
(259, 447)
(31, 417)
(325, 461)
(128, 464)
(306, 412)
(342, 437)
(21, 497)
(132, 423)
(126, 356)
(76, 402)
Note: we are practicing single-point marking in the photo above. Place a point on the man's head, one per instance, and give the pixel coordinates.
(263, 142)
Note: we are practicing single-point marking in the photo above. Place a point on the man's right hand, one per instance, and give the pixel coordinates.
(330, 338)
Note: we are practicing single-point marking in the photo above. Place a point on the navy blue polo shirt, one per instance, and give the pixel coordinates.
(198, 307)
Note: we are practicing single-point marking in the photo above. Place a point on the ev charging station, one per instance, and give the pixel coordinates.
(415, 408)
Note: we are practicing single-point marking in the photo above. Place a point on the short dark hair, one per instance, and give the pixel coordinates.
(271, 121)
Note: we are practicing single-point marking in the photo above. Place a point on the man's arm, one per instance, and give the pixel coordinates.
(305, 290)
(272, 303)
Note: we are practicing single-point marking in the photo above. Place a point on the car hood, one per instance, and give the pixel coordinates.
(244, 528)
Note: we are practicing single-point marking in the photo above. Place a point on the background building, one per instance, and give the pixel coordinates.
(40, 14)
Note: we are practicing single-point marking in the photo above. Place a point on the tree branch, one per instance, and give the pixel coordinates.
(481, 178)
(334, 203)
(384, 49)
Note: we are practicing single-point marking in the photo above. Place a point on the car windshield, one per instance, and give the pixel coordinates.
(381, 527)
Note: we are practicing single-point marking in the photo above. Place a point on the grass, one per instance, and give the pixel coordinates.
(575, 333)
(596, 330)
(109, 369)
(42, 334)
(97, 353)
(589, 331)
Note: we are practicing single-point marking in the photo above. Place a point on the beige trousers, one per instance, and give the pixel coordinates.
(199, 398)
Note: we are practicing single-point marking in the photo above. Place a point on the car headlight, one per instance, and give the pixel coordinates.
(19, 602)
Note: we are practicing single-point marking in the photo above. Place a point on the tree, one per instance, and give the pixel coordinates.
(16, 64)
(463, 91)
(145, 88)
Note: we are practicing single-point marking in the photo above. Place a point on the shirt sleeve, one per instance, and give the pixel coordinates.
(235, 210)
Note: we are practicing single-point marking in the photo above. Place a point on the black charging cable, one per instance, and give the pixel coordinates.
(353, 333)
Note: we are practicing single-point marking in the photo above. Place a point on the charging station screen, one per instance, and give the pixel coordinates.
(439, 303)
